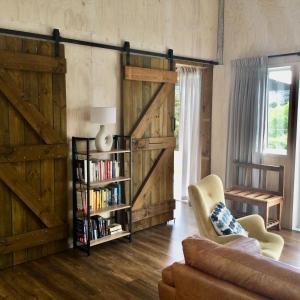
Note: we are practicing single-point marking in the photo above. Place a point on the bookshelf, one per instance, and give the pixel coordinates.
(102, 188)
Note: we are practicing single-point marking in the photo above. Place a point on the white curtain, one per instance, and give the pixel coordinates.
(247, 118)
(189, 128)
(247, 115)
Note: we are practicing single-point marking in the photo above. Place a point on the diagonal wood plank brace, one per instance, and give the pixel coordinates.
(27, 110)
(28, 195)
(150, 111)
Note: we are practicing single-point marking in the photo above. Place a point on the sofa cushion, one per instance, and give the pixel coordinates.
(255, 273)
(224, 222)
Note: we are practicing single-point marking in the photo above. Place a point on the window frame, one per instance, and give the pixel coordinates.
(266, 150)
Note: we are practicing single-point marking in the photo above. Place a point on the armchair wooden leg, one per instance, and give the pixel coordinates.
(279, 213)
(266, 214)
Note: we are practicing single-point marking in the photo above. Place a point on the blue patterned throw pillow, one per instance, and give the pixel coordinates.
(224, 222)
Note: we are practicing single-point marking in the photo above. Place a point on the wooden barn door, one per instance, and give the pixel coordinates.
(148, 116)
(33, 150)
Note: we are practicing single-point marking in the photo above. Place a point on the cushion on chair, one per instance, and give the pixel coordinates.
(224, 222)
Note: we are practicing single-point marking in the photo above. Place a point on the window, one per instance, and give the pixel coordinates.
(278, 96)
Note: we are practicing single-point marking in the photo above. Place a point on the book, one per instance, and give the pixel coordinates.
(81, 170)
(81, 230)
(117, 231)
(99, 198)
(115, 228)
(99, 227)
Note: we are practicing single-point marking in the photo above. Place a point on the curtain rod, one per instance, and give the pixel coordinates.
(57, 38)
(284, 54)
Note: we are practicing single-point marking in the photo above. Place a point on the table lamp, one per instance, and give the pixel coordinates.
(103, 116)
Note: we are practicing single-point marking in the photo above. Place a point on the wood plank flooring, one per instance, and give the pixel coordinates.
(117, 270)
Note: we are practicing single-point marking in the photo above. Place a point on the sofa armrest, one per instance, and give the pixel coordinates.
(166, 292)
(167, 275)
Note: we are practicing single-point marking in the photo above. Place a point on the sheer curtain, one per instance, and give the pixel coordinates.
(247, 115)
(189, 126)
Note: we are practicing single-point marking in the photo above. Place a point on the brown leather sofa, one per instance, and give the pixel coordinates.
(232, 271)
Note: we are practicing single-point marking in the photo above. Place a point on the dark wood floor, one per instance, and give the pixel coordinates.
(117, 270)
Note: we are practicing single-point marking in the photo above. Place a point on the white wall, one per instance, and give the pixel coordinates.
(93, 78)
(252, 27)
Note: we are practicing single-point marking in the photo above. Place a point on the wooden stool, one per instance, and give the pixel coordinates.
(260, 197)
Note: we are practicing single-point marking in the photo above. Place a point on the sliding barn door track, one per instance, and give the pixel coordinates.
(57, 38)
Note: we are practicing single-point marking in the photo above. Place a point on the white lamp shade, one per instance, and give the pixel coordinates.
(103, 115)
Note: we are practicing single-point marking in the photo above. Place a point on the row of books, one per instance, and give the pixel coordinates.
(99, 170)
(100, 198)
(99, 227)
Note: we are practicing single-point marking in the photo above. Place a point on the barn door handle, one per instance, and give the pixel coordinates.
(173, 122)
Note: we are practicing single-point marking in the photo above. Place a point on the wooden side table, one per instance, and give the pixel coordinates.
(260, 197)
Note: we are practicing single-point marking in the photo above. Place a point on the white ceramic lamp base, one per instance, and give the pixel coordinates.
(104, 140)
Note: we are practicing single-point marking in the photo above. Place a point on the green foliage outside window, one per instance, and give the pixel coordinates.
(279, 83)
(278, 125)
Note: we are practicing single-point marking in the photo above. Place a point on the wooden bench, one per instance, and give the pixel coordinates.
(262, 197)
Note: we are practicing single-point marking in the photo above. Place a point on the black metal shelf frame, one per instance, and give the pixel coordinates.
(86, 247)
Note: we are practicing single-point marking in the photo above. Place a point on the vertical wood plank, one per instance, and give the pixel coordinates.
(156, 193)
(146, 155)
(205, 128)
(5, 201)
(126, 101)
(32, 168)
(169, 113)
(46, 108)
(16, 137)
(60, 165)
(137, 108)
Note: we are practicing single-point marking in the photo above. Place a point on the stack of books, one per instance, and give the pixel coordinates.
(100, 198)
(115, 228)
(99, 170)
